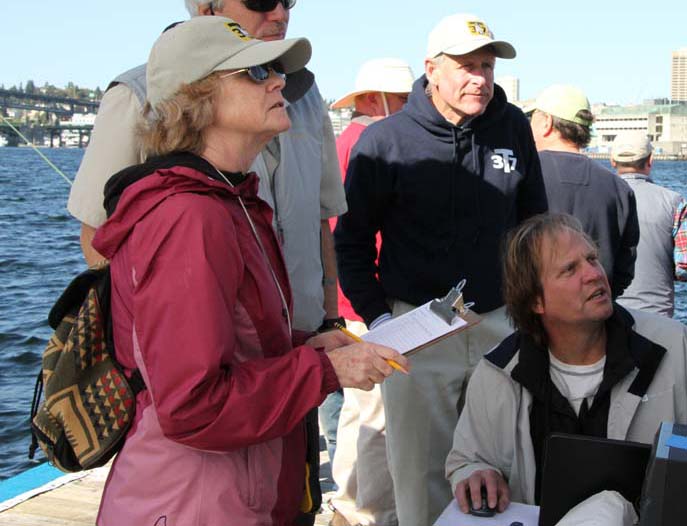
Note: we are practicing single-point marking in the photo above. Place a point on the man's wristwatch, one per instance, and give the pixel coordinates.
(329, 324)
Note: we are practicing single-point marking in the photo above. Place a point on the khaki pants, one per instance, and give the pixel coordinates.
(365, 495)
(422, 412)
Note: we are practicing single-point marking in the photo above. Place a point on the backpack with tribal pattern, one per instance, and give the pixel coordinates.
(89, 401)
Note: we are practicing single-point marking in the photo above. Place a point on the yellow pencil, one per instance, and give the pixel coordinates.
(357, 338)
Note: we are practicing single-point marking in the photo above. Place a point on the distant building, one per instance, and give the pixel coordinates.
(678, 76)
(82, 119)
(511, 85)
(665, 124)
(340, 119)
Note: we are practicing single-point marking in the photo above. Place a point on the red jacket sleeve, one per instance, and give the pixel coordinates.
(187, 268)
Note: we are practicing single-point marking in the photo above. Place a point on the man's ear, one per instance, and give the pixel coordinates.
(374, 99)
(205, 9)
(538, 305)
(547, 124)
(432, 71)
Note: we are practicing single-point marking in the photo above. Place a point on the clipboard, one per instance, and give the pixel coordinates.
(427, 324)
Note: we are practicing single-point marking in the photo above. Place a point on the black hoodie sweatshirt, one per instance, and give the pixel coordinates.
(442, 197)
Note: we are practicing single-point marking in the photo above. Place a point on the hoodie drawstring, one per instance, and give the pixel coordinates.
(454, 214)
(478, 170)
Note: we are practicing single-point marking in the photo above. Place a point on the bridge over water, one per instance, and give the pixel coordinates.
(54, 107)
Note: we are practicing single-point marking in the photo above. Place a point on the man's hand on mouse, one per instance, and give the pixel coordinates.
(498, 492)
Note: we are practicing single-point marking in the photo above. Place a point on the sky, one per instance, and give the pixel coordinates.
(615, 50)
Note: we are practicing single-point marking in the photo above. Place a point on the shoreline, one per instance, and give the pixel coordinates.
(592, 155)
(656, 156)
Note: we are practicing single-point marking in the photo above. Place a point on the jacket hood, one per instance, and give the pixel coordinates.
(421, 109)
(133, 192)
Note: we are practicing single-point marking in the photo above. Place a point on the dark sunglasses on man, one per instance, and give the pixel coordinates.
(263, 6)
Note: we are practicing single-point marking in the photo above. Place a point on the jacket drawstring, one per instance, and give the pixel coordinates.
(478, 168)
(454, 215)
(545, 436)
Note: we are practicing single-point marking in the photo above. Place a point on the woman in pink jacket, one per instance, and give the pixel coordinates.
(201, 300)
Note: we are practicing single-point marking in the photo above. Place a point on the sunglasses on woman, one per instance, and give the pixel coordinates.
(259, 74)
(265, 6)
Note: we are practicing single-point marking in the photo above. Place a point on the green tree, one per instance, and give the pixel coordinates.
(71, 90)
(30, 87)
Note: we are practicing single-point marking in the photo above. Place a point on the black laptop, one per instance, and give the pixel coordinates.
(576, 467)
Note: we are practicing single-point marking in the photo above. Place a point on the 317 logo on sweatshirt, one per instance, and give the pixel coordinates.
(503, 160)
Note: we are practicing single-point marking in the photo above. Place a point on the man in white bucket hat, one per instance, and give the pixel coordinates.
(441, 180)
(381, 89)
(360, 470)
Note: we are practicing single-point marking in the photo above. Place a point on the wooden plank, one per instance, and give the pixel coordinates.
(76, 503)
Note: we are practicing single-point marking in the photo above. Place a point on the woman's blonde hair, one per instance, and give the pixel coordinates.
(179, 123)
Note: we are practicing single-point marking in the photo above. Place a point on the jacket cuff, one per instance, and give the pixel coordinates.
(330, 382)
(374, 311)
(467, 470)
(299, 338)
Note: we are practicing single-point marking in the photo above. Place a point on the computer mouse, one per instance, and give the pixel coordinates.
(484, 510)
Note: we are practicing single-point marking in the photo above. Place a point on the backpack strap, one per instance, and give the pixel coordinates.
(37, 391)
(136, 381)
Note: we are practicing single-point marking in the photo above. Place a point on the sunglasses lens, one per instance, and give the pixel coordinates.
(262, 73)
(265, 6)
(258, 73)
(261, 6)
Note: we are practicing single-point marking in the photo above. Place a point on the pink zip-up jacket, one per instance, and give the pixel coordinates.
(218, 437)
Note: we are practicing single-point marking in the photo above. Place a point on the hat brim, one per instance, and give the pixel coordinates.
(348, 101)
(501, 48)
(293, 54)
(529, 109)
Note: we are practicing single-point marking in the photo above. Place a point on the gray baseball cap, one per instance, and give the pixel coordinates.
(630, 146)
(194, 49)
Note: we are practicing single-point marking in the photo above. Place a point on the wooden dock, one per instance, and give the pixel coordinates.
(76, 503)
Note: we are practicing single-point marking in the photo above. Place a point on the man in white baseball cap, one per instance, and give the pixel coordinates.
(360, 470)
(662, 214)
(441, 180)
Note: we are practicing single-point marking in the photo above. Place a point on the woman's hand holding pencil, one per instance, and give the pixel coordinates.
(357, 363)
(358, 339)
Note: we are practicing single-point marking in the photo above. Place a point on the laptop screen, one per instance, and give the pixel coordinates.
(577, 467)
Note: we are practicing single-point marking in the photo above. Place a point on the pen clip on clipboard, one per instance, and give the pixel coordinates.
(424, 325)
(451, 305)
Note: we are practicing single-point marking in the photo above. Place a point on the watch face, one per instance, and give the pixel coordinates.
(330, 323)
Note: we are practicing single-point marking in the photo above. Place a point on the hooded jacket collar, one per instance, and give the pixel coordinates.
(125, 178)
(421, 109)
(625, 350)
(135, 191)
